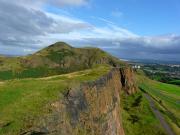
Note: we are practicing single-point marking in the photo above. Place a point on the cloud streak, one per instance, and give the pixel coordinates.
(117, 13)
(67, 2)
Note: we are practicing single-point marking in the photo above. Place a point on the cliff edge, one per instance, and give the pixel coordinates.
(93, 108)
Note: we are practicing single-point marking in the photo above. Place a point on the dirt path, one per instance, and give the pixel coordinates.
(159, 116)
(1, 82)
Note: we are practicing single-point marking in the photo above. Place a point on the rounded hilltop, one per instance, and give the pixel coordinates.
(56, 59)
(60, 45)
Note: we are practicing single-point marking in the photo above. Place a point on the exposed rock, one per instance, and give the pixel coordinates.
(128, 80)
(91, 109)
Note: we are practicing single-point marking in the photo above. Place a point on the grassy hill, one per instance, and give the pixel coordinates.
(56, 59)
(29, 84)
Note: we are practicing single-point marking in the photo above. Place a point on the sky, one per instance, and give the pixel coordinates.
(128, 29)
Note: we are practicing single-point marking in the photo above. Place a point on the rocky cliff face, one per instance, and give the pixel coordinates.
(128, 80)
(91, 109)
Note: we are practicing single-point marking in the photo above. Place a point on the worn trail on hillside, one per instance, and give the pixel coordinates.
(159, 115)
(1, 82)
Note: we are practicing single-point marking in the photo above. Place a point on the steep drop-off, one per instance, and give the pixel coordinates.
(93, 108)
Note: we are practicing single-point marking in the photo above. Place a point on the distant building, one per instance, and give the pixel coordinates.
(174, 65)
(136, 67)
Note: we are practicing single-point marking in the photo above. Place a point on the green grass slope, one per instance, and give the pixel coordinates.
(56, 59)
(137, 117)
(22, 101)
(167, 97)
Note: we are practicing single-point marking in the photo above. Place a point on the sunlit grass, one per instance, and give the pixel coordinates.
(167, 97)
(26, 99)
(137, 117)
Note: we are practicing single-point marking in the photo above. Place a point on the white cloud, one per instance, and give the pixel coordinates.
(68, 2)
(28, 26)
(103, 20)
(57, 3)
(117, 13)
(27, 50)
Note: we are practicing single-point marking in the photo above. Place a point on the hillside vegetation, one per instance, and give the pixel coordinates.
(22, 101)
(66, 90)
(137, 116)
(167, 97)
(56, 59)
(31, 85)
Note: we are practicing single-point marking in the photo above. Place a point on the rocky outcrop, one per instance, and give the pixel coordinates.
(128, 80)
(93, 108)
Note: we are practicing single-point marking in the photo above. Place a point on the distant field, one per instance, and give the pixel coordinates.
(23, 100)
(167, 97)
(176, 82)
(163, 72)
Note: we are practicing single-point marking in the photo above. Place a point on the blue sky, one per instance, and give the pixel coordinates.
(148, 29)
(144, 17)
